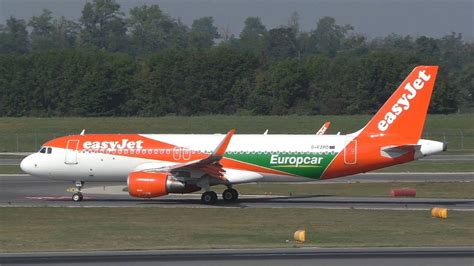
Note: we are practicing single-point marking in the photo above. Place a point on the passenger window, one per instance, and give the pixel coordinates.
(50, 150)
(43, 150)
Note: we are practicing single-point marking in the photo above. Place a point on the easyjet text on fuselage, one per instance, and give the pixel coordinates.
(123, 144)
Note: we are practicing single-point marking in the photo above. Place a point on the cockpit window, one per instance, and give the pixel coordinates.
(49, 150)
(43, 150)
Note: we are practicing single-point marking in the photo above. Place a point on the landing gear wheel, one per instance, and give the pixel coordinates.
(230, 195)
(77, 197)
(209, 197)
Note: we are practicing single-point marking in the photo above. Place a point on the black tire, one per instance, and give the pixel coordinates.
(77, 197)
(209, 197)
(230, 195)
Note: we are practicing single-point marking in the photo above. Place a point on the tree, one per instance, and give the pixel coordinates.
(451, 47)
(252, 37)
(289, 85)
(395, 42)
(281, 43)
(203, 32)
(49, 34)
(328, 37)
(152, 30)
(14, 36)
(294, 22)
(66, 32)
(191, 81)
(42, 33)
(75, 70)
(103, 25)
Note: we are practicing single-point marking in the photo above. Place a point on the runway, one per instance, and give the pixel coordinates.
(406, 177)
(296, 256)
(449, 157)
(28, 191)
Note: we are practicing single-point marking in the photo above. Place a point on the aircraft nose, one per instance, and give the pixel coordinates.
(26, 165)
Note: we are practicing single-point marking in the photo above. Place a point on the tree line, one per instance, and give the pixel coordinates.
(147, 63)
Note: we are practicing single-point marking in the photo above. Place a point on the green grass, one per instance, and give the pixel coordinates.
(26, 134)
(10, 169)
(72, 229)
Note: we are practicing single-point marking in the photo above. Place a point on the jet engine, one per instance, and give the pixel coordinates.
(150, 185)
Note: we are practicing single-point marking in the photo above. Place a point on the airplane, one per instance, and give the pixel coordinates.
(154, 165)
(323, 129)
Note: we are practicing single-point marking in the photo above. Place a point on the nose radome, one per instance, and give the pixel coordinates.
(26, 165)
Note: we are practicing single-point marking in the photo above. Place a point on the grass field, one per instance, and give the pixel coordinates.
(26, 134)
(10, 169)
(62, 229)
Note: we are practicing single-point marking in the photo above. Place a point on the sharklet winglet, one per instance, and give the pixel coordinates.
(222, 147)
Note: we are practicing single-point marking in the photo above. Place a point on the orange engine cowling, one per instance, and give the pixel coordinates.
(150, 185)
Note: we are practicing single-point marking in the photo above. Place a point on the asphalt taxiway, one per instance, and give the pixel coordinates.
(25, 190)
(295, 256)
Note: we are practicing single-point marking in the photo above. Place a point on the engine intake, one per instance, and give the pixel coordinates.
(150, 185)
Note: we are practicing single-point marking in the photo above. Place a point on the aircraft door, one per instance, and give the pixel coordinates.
(350, 152)
(71, 151)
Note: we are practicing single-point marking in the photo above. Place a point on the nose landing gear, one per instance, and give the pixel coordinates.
(78, 195)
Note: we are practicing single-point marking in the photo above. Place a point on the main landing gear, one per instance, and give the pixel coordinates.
(210, 197)
(78, 195)
(230, 195)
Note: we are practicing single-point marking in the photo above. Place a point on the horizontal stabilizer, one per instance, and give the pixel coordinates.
(397, 151)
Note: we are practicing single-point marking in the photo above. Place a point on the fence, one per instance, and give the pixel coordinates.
(29, 142)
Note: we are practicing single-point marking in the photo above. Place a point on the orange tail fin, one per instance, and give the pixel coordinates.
(404, 113)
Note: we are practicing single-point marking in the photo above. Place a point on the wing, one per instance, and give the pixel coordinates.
(210, 165)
